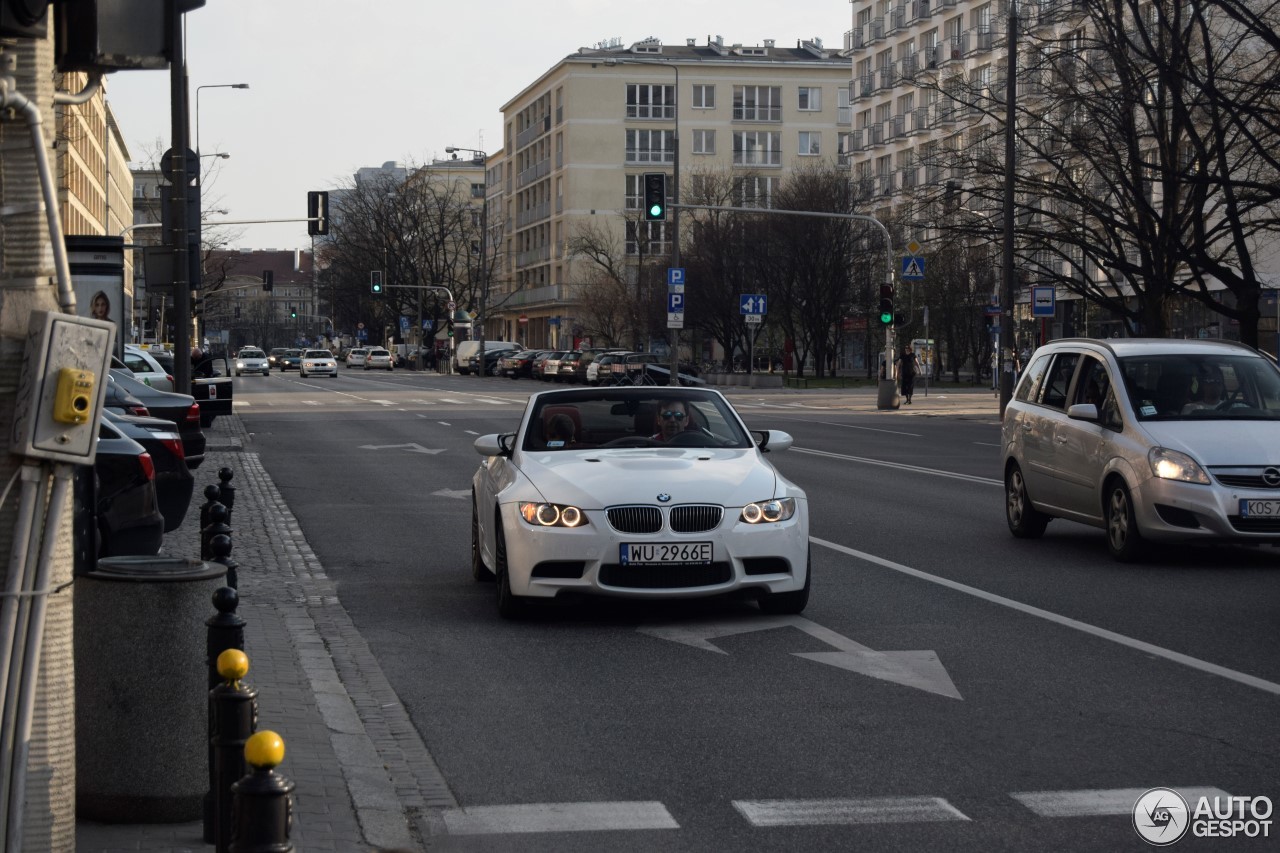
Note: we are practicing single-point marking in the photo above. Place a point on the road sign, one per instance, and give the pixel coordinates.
(404, 323)
(1043, 301)
(675, 321)
(453, 306)
(753, 318)
(675, 275)
(752, 303)
(675, 303)
(913, 248)
(912, 267)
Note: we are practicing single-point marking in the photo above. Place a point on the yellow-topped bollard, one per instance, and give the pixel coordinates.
(264, 751)
(233, 665)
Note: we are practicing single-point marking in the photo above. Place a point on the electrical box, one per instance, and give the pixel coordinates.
(61, 387)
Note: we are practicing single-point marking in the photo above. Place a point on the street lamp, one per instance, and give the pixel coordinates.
(212, 86)
(481, 158)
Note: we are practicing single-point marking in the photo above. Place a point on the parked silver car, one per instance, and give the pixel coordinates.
(1151, 440)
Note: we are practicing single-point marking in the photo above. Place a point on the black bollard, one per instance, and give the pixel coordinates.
(263, 800)
(217, 524)
(225, 631)
(235, 716)
(210, 498)
(220, 545)
(226, 491)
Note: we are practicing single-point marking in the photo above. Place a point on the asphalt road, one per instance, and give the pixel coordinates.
(1033, 680)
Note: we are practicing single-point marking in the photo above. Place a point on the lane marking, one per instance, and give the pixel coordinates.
(1065, 621)
(451, 400)
(900, 466)
(382, 402)
(871, 429)
(848, 812)
(558, 817)
(444, 423)
(1114, 801)
(986, 444)
(470, 432)
(493, 401)
(310, 402)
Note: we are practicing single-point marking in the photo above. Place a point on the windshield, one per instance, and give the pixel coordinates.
(1202, 386)
(604, 418)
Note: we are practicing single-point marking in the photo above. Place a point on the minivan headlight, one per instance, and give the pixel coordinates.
(1173, 465)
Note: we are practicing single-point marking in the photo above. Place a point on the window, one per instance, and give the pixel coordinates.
(704, 97)
(649, 237)
(844, 113)
(757, 103)
(757, 148)
(1059, 379)
(1029, 387)
(810, 98)
(645, 101)
(754, 191)
(650, 146)
(810, 143)
(704, 142)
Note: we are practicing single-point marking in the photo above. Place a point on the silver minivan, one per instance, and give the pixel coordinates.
(1149, 439)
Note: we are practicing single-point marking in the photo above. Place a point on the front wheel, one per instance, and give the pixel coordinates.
(789, 603)
(510, 605)
(1124, 540)
(479, 571)
(1025, 521)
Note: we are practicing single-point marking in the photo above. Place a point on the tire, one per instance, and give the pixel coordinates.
(237, 373)
(510, 605)
(479, 571)
(789, 603)
(1025, 521)
(1124, 539)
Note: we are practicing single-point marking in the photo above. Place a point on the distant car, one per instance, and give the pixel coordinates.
(116, 509)
(589, 355)
(637, 493)
(379, 359)
(565, 368)
(146, 368)
(276, 355)
(517, 364)
(174, 480)
(492, 364)
(291, 359)
(1152, 440)
(356, 357)
(181, 409)
(252, 361)
(317, 362)
(538, 370)
(601, 369)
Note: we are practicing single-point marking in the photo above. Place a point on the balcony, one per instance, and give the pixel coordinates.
(645, 156)
(909, 177)
(898, 127)
(897, 19)
(875, 31)
(857, 140)
(533, 131)
(863, 86)
(757, 113)
(919, 120)
(884, 185)
(908, 66)
(875, 133)
(757, 158)
(920, 10)
(653, 112)
(982, 40)
(888, 77)
(953, 49)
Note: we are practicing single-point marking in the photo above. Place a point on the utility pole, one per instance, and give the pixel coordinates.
(178, 238)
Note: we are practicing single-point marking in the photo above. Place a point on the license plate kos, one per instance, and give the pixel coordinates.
(1259, 509)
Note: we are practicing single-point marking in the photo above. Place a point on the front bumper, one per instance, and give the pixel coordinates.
(1174, 511)
(543, 562)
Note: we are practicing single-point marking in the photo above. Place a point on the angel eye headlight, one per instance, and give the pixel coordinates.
(552, 515)
(766, 512)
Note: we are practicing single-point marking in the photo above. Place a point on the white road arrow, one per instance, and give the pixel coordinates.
(412, 448)
(453, 493)
(919, 669)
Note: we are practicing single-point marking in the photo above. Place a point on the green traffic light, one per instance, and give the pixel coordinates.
(655, 210)
(886, 319)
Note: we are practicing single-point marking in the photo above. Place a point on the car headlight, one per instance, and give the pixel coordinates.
(767, 512)
(240, 364)
(1172, 465)
(552, 515)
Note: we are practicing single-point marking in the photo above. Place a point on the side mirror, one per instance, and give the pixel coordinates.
(772, 439)
(1083, 412)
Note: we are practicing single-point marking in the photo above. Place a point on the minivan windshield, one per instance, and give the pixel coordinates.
(1202, 386)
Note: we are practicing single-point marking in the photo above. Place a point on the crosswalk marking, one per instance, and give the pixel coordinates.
(1114, 801)
(847, 812)
(492, 402)
(558, 817)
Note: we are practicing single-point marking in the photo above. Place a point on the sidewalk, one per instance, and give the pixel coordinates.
(364, 779)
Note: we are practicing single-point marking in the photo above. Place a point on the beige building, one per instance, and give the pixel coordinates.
(578, 140)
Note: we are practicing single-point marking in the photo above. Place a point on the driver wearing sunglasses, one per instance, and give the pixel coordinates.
(672, 420)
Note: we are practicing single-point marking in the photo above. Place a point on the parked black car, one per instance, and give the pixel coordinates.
(492, 363)
(116, 509)
(182, 409)
(174, 481)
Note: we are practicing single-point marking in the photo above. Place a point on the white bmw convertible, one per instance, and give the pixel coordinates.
(646, 492)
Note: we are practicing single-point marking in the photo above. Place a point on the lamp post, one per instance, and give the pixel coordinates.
(481, 158)
(1007, 341)
(211, 86)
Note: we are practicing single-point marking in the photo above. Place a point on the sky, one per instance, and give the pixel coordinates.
(336, 85)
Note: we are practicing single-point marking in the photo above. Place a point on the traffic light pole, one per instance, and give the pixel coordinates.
(887, 397)
(448, 293)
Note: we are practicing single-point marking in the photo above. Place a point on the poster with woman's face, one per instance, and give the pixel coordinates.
(102, 298)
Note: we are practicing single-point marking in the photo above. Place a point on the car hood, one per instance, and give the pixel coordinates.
(594, 479)
(1220, 442)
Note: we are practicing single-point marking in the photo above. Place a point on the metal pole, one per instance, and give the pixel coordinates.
(675, 226)
(1006, 343)
(178, 165)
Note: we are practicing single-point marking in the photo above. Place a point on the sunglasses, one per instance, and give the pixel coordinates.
(679, 416)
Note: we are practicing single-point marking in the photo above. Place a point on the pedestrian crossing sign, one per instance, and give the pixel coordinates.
(912, 267)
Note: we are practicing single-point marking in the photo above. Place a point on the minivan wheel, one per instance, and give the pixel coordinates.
(1124, 540)
(1025, 521)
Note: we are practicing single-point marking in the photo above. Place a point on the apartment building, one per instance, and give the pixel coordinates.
(578, 140)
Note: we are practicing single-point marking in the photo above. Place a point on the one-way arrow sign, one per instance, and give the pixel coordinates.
(919, 669)
(753, 303)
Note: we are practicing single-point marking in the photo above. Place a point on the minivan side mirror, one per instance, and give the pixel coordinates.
(1083, 412)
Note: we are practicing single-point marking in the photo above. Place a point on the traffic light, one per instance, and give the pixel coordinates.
(886, 305)
(375, 282)
(449, 326)
(317, 212)
(655, 196)
(268, 280)
(293, 312)
(23, 18)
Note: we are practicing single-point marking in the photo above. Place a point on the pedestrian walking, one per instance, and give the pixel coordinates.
(908, 367)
